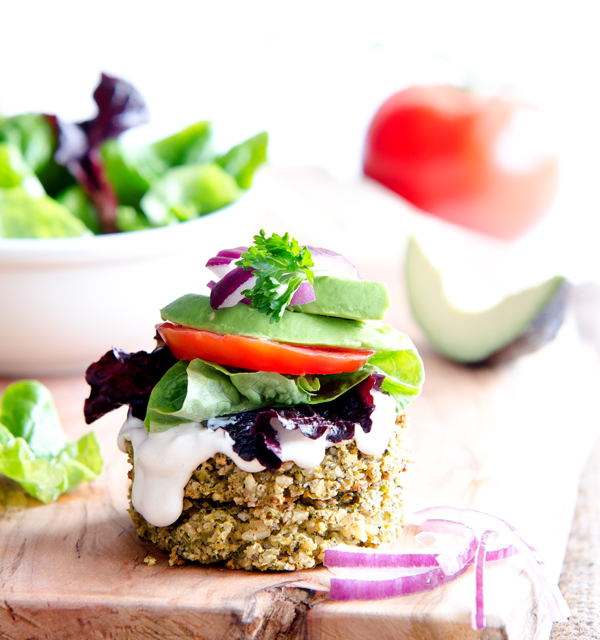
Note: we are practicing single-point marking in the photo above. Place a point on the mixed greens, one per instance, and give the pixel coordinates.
(34, 450)
(60, 179)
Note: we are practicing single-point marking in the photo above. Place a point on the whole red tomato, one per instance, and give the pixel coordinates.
(469, 159)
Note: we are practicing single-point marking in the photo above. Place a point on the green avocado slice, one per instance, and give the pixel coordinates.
(347, 298)
(193, 310)
(518, 324)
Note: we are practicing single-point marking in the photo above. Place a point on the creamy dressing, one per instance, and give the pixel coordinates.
(165, 461)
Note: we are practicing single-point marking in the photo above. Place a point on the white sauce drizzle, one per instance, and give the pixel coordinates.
(164, 461)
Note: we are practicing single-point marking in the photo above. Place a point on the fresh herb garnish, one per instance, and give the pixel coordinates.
(280, 265)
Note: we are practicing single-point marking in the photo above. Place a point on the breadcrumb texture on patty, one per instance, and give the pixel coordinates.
(284, 520)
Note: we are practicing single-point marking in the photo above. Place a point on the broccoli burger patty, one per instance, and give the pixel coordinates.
(285, 519)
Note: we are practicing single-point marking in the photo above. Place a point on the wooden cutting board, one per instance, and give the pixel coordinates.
(510, 440)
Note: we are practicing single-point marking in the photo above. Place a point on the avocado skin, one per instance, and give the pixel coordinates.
(347, 298)
(542, 330)
(194, 311)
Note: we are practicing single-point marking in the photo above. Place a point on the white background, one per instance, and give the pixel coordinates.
(313, 72)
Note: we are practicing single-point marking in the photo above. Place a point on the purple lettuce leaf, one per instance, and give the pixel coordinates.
(121, 378)
(120, 107)
(305, 418)
(348, 410)
(255, 438)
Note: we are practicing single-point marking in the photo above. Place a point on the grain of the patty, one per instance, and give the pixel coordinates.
(286, 519)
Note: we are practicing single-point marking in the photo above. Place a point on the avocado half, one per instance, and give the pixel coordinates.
(518, 324)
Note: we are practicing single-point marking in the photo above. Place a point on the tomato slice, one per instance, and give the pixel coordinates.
(257, 354)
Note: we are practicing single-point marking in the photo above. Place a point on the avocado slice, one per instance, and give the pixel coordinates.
(518, 324)
(347, 298)
(194, 310)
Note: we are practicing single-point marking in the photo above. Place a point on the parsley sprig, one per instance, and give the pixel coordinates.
(280, 265)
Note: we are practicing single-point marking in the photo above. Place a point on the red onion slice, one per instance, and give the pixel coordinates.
(450, 560)
(228, 291)
(366, 574)
(501, 547)
(328, 262)
(478, 613)
(506, 543)
(303, 294)
(369, 589)
(224, 261)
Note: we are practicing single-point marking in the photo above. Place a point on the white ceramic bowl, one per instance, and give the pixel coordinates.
(65, 302)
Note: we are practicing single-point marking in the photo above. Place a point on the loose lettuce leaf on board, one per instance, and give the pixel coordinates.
(23, 216)
(34, 450)
(28, 412)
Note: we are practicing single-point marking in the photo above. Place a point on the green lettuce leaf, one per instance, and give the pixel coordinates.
(77, 201)
(199, 390)
(404, 374)
(188, 191)
(34, 137)
(242, 160)
(131, 170)
(191, 145)
(23, 216)
(34, 450)
(15, 172)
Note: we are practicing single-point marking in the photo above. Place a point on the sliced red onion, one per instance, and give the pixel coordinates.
(453, 559)
(366, 574)
(224, 261)
(478, 613)
(328, 262)
(417, 581)
(450, 560)
(303, 294)
(502, 546)
(361, 558)
(228, 291)
(506, 543)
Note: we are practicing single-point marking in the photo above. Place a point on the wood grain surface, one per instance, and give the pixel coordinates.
(510, 440)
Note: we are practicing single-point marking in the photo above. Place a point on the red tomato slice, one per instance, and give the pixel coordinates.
(257, 354)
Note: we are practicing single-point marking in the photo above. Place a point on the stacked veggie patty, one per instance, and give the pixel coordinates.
(285, 519)
(261, 436)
